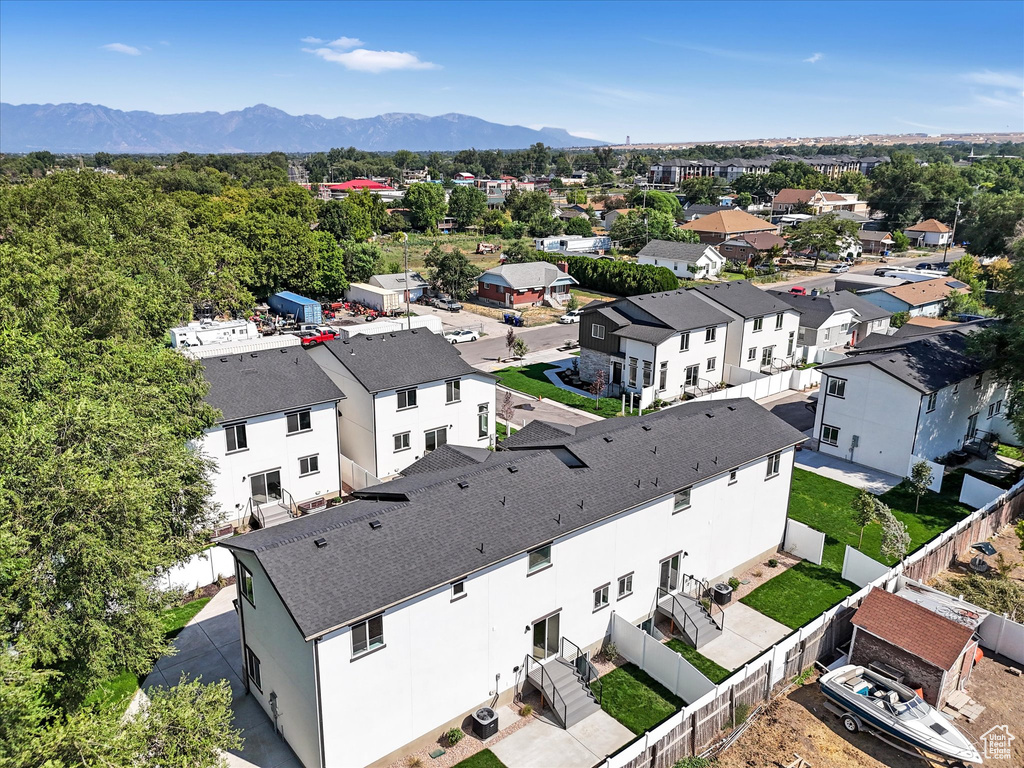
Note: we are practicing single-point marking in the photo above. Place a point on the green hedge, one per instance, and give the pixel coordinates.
(622, 278)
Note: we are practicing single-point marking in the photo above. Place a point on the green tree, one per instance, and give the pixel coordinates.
(361, 260)
(330, 280)
(744, 200)
(823, 234)
(426, 204)
(493, 222)
(895, 536)
(702, 190)
(541, 225)
(900, 242)
(865, 511)
(637, 228)
(919, 482)
(518, 251)
(346, 220)
(853, 182)
(899, 319)
(656, 200)
(466, 205)
(520, 349)
(964, 269)
(524, 206)
(579, 226)
(376, 209)
(573, 303)
(898, 189)
(992, 222)
(450, 272)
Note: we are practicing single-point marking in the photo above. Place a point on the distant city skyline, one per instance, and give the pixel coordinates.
(599, 70)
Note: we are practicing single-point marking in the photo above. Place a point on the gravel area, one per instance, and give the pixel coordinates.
(758, 574)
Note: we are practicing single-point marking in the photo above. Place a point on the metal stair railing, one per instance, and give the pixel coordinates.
(701, 592)
(288, 502)
(694, 631)
(545, 679)
(255, 513)
(586, 670)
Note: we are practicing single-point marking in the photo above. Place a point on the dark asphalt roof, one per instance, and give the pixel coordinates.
(815, 310)
(266, 381)
(743, 298)
(654, 317)
(447, 457)
(435, 527)
(667, 249)
(401, 359)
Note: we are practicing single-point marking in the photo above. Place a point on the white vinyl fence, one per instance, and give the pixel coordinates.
(977, 493)
(659, 661)
(1003, 636)
(355, 477)
(861, 569)
(804, 541)
(199, 570)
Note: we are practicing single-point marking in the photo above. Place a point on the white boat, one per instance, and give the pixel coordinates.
(870, 701)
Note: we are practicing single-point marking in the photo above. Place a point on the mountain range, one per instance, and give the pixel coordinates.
(95, 128)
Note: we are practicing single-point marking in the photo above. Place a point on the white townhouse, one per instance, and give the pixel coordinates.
(763, 328)
(834, 319)
(406, 393)
(275, 443)
(371, 628)
(659, 345)
(686, 260)
(920, 395)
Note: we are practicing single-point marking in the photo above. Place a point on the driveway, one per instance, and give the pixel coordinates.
(797, 410)
(490, 350)
(541, 744)
(528, 409)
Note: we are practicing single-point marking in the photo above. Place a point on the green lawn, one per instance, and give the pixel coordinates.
(531, 380)
(704, 665)
(1010, 452)
(502, 432)
(175, 619)
(484, 759)
(636, 699)
(795, 597)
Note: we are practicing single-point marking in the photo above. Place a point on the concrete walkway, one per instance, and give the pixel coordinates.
(846, 472)
(746, 633)
(529, 409)
(210, 647)
(542, 744)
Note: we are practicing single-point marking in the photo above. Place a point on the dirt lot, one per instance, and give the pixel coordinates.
(799, 724)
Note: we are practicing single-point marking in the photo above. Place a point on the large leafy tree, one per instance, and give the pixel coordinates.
(524, 206)
(466, 205)
(637, 228)
(823, 234)
(656, 200)
(450, 271)
(579, 226)
(991, 222)
(426, 204)
(346, 220)
(898, 189)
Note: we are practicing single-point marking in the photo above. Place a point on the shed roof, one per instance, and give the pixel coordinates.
(670, 249)
(927, 291)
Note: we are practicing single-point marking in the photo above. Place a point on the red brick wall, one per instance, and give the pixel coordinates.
(529, 297)
(490, 291)
(498, 293)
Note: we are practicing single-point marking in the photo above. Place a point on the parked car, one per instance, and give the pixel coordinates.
(925, 265)
(798, 290)
(319, 336)
(882, 271)
(449, 304)
(572, 316)
(840, 268)
(457, 337)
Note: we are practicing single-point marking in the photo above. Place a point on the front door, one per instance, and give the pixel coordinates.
(972, 426)
(266, 486)
(546, 638)
(669, 574)
(616, 372)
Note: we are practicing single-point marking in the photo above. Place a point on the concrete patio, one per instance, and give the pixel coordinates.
(746, 634)
(542, 743)
(846, 472)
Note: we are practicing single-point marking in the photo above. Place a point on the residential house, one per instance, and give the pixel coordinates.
(407, 393)
(754, 245)
(834, 319)
(695, 211)
(341, 190)
(929, 232)
(611, 216)
(924, 297)
(933, 653)
(762, 328)
(410, 285)
(875, 242)
(373, 627)
(817, 202)
(907, 396)
(659, 345)
(526, 284)
(718, 227)
(275, 441)
(687, 260)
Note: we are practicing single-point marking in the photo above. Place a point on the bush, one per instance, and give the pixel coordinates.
(773, 563)
(610, 651)
(526, 710)
(514, 230)
(694, 762)
(454, 736)
(623, 278)
(415, 762)
(734, 583)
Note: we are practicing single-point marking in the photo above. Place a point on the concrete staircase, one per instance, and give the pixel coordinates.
(690, 618)
(563, 691)
(274, 514)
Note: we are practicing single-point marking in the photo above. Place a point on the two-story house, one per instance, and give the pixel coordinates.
(686, 260)
(275, 443)
(659, 345)
(922, 395)
(372, 627)
(834, 319)
(762, 328)
(407, 393)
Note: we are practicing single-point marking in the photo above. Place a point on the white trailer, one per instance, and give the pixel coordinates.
(381, 299)
(431, 323)
(205, 332)
(241, 347)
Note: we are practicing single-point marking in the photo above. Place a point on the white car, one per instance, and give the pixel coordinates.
(456, 337)
(572, 316)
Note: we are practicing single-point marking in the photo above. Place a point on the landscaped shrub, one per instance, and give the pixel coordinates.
(526, 710)
(734, 583)
(740, 714)
(773, 563)
(454, 736)
(623, 278)
(610, 652)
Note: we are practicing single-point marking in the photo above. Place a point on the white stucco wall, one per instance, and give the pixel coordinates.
(703, 266)
(943, 429)
(355, 412)
(271, 447)
(678, 361)
(766, 337)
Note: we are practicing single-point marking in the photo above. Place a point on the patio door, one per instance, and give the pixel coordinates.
(669, 580)
(546, 637)
(972, 427)
(266, 486)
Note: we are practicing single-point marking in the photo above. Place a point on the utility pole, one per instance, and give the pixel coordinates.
(408, 311)
(952, 235)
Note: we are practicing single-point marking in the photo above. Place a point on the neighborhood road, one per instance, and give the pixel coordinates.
(492, 347)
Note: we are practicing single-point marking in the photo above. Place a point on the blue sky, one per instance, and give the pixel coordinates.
(655, 71)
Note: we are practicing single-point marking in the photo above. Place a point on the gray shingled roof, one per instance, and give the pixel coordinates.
(397, 282)
(528, 274)
(668, 249)
(266, 381)
(401, 359)
(743, 298)
(815, 310)
(447, 457)
(673, 311)
(436, 527)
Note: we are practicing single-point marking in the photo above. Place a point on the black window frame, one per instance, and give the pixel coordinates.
(231, 430)
(245, 585)
(406, 392)
(758, 324)
(458, 590)
(251, 668)
(684, 341)
(299, 429)
(452, 387)
(710, 334)
(434, 431)
(407, 441)
(933, 398)
(778, 322)
(835, 441)
(316, 459)
(774, 465)
(840, 387)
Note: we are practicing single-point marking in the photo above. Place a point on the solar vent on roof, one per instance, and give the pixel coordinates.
(320, 543)
(608, 439)
(513, 469)
(710, 415)
(463, 485)
(645, 427)
(731, 407)
(375, 524)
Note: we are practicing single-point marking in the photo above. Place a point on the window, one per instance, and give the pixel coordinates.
(483, 425)
(710, 334)
(648, 373)
(837, 387)
(367, 636)
(252, 668)
(663, 377)
(453, 390)
(732, 475)
(773, 465)
(681, 500)
(601, 597)
(692, 372)
(767, 355)
(828, 334)
(309, 465)
(752, 353)
(778, 321)
(538, 559)
(931, 401)
(458, 589)
(789, 348)
(632, 371)
(406, 398)
(245, 584)
(711, 363)
(597, 331)
(625, 585)
(236, 437)
(401, 442)
(684, 342)
(829, 435)
(435, 438)
(991, 410)
(758, 324)
(978, 381)
(298, 422)
(956, 388)
(999, 406)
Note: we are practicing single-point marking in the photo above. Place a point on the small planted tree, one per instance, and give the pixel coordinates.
(573, 303)
(895, 536)
(507, 412)
(865, 511)
(510, 341)
(597, 388)
(520, 348)
(920, 480)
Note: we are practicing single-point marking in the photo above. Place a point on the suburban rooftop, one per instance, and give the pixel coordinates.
(743, 298)
(654, 317)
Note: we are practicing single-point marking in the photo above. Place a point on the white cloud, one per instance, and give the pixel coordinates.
(313, 40)
(345, 43)
(998, 100)
(814, 58)
(997, 79)
(129, 50)
(363, 60)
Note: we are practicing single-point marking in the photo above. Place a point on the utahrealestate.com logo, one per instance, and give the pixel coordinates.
(997, 743)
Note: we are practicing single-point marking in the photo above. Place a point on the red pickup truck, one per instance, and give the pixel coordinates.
(319, 336)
